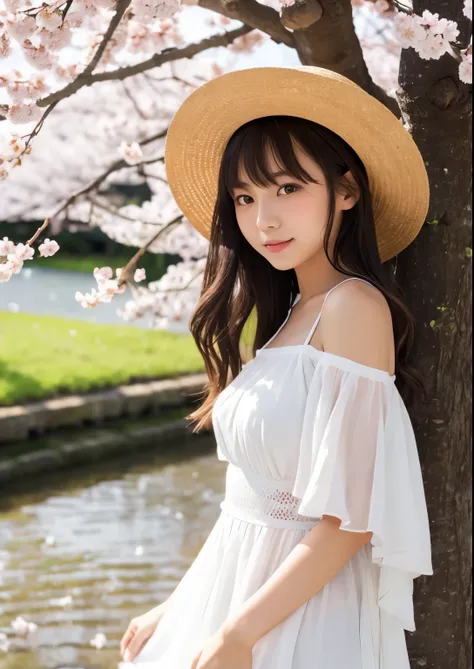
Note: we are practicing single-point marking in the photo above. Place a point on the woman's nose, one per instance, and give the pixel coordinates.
(266, 214)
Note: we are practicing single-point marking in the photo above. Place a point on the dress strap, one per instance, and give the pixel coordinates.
(315, 325)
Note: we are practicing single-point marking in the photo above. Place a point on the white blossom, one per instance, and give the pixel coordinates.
(140, 275)
(131, 153)
(465, 68)
(98, 641)
(49, 19)
(5, 272)
(22, 627)
(48, 248)
(6, 247)
(467, 9)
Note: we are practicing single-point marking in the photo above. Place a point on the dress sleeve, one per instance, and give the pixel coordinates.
(359, 462)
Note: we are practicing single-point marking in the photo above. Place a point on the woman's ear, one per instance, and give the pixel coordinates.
(347, 193)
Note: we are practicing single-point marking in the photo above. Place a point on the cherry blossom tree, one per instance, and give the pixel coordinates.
(130, 60)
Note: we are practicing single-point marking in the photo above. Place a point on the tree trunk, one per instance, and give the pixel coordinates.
(435, 274)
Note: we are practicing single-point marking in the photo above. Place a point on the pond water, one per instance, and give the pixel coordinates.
(83, 555)
(50, 292)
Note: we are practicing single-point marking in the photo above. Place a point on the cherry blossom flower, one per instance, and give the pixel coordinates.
(6, 247)
(4, 643)
(408, 29)
(22, 627)
(131, 153)
(63, 602)
(88, 300)
(465, 69)
(102, 274)
(5, 46)
(24, 113)
(49, 540)
(48, 248)
(467, 9)
(5, 272)
(24, 252)
(14, 263)
(49, 19)
(140, 275)
(98, 641)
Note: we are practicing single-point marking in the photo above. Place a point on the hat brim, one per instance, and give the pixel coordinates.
(202, 126)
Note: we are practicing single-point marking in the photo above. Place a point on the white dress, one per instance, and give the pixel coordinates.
(307, 433)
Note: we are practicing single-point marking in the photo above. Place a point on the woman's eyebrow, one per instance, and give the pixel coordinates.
(275, 175)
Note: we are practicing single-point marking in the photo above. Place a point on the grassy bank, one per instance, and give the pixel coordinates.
(44, 356)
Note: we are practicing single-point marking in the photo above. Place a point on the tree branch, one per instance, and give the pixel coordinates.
(331, 42)
(302, 14)
(122, 6)
(114, 167)
(166, 56)
(253, 14)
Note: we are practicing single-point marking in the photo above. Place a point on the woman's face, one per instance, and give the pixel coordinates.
(291, 210)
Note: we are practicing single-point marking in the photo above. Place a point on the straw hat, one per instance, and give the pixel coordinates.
(204, 123)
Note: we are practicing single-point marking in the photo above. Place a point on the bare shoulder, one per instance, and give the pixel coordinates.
(356, 323)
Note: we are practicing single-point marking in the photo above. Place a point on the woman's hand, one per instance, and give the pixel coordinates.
(139, 631)
(224, 651)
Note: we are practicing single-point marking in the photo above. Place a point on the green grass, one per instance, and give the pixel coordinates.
(44, 356)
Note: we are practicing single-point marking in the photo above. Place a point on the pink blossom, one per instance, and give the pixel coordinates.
(49, 19)
(102, 274)
(21, 26)
(5, 272)
(11, 146)
(148, 10)
(24, 252)
(5, 46)
(6, 247)
(88, 300)
(14, 263)
(57, 40)
(39, 57)
(108, 289)
(131, 153)
(140, 275)
(24, 113)
(48, 248)
(4, 170)
(467, 9)
(465, 69)
(408, 29)
(382, 6)
(432, 47)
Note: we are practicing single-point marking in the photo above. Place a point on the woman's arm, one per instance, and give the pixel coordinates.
(310, 566)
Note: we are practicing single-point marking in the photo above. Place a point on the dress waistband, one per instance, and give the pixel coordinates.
(262, 500)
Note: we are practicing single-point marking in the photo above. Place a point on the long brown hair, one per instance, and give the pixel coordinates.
(237, 278)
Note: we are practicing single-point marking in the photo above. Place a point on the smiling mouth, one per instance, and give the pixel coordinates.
(278, 243)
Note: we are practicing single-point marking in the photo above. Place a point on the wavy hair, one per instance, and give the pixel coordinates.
(237, 279)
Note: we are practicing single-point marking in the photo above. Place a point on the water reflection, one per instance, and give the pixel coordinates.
(85, 557)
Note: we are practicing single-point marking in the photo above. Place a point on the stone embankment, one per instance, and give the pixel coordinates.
(25, 422)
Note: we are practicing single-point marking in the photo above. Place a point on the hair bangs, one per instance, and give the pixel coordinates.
(249, 152)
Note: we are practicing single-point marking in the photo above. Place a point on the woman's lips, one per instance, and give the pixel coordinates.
(276, 248)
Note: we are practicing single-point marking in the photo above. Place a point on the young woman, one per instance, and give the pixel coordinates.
(306, 187)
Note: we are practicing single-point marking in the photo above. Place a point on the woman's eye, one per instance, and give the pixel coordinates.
(294, 186)
(237, 199)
